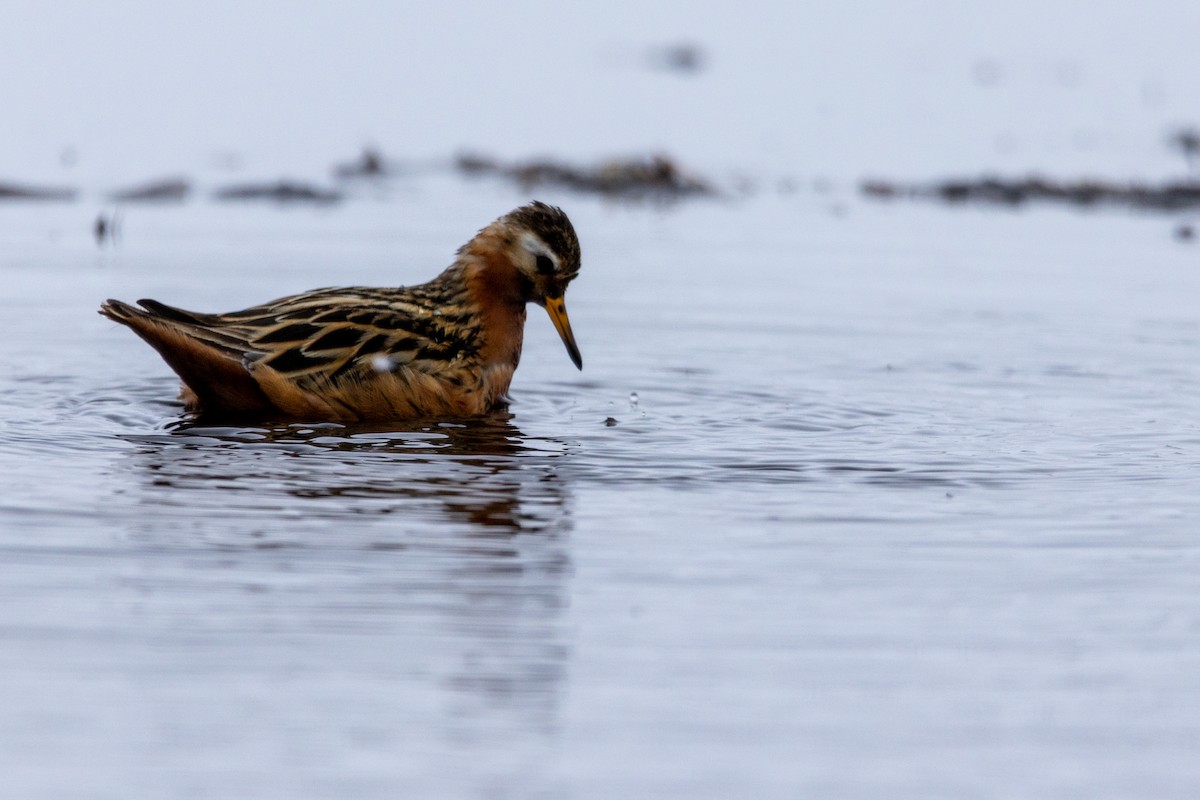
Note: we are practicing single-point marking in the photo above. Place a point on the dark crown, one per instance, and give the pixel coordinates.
(551, 225)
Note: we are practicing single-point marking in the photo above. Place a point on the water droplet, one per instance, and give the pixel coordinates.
(382, 363)
(633, 399)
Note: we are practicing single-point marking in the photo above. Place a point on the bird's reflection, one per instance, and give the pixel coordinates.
(484, 473)
(470, 518)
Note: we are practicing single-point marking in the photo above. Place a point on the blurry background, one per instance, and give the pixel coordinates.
(114, 92)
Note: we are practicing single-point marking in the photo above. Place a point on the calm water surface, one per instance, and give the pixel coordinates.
(890, 501)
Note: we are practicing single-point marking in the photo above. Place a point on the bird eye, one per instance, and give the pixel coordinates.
(544, 265)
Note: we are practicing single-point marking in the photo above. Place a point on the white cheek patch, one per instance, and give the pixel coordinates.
(536, 247)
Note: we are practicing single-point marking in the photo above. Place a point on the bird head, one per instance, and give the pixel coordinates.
(545, 252)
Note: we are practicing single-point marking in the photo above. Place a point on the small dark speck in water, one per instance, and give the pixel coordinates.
(610, 422)
(1185, 233)
(683, 58)
(370, 164)
(1187, 142)
(105, 228)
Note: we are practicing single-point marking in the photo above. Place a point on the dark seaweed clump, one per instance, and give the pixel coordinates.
(1167, 196)
(18, 191)
(654, 177)
(167, 190)
(279, 192)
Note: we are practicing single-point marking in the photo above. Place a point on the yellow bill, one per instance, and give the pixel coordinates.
(557, 310)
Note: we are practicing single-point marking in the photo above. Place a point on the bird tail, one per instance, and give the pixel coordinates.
(210, 363)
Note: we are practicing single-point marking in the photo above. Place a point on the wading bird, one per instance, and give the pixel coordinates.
(446, 348)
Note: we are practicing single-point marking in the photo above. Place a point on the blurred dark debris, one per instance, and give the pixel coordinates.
(656, 177)
(1186, 141)
(280, 192)
(1169, 196)
(19, 191)
(1185, 232)
(684, 58)
(371, 164)
(169, 190)
(106, 228)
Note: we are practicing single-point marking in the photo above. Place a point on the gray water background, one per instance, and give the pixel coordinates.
(899, 500)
